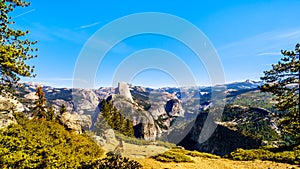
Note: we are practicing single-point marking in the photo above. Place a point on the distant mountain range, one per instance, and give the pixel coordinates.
(89, 98)
(169, 112)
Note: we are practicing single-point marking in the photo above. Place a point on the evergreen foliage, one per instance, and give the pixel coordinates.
(15, 49)
(170, 156)
(115, 161)
(63, 109)
(110, 117)
(291, 157)
(255, 98)
(250, 122)
(40, 110)
(176, 154)
(51, 116)
(38, 144)
(283, 81)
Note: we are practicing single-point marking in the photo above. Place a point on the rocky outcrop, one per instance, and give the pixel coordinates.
(109, 135)
(99, 140)
(6, 119)
(173, 108)
(143, 122)
(146, 131)
(71, 121)
(85, 121)
(7, 107)
(76, 122)
(12, 104)
(151, 113)
(123, 90)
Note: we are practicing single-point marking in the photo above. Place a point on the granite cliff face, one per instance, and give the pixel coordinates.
(123, 90)
(221, 142)
(144, 114)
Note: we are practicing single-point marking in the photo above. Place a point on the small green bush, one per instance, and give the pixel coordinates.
(200, 154)
(170, 156)
(193, 153)
(179, 150)
(179, 154)
(114, 161)
(291, 157)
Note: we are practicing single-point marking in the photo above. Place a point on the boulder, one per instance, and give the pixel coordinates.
(99, 140)
(6, 112)
(85, 121)
(109, 135)
(6, 119)
(71, 121)
(14, 104)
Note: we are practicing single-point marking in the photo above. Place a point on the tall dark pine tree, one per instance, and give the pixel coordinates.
(15, 49)
(51, 116)
(128, 128)
(110, 117)
(283, 81)
(39, 110)
(63, 109)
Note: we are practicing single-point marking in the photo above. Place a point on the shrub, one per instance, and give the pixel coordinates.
(114, 161)
(179, 154)
(178, 149)
(291, 157)
(200, 154)
(181, 150)
(44, 144)
(170, 156)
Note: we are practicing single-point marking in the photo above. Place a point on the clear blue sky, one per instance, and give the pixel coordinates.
(248, 36)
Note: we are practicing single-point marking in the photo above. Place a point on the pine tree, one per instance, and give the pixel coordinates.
(51, 116)
(104, 109)
(39, 110)
(110, 117)
(63, 109)
(121, 122)
(15, 49)
(129, 128)
(283, 81)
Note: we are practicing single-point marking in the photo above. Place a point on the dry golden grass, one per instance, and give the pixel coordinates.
(206, 163)
(142, 153)
(135, 151)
